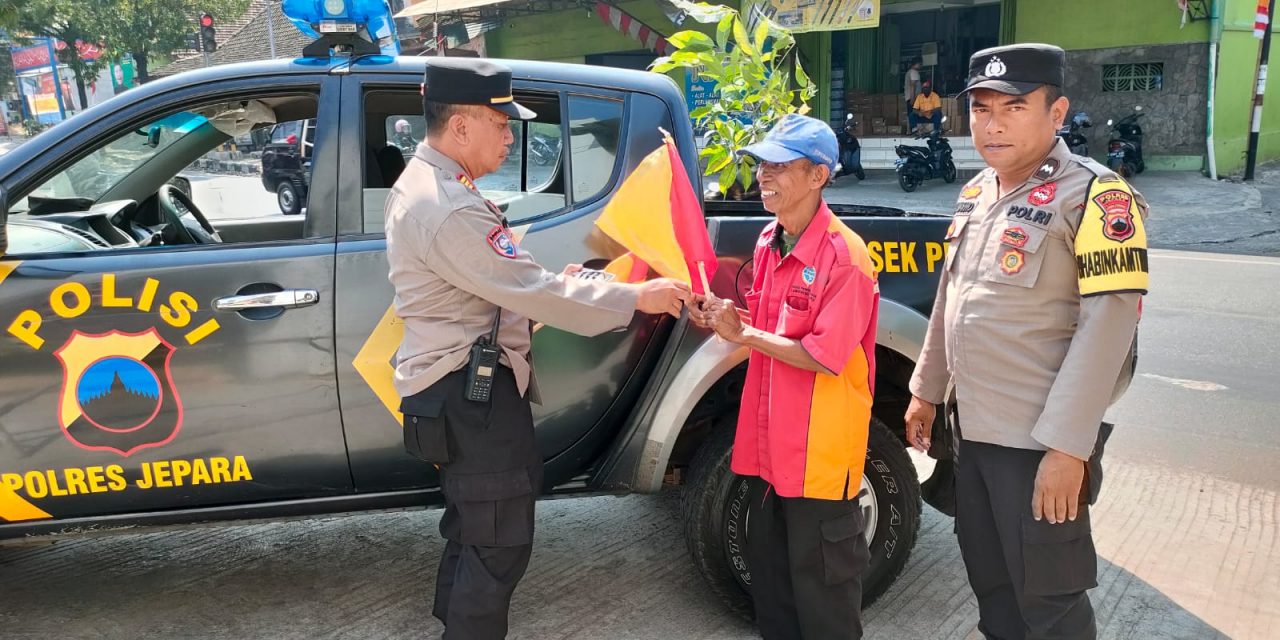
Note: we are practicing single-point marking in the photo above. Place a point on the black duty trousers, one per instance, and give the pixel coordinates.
(806, 557)
(490, 475)
(1031, 578)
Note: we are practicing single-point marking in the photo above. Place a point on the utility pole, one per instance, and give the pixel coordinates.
(1251, 158)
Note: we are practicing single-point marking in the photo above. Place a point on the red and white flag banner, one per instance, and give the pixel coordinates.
(636, 30)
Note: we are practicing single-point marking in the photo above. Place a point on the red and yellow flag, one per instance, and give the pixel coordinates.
(657, 216)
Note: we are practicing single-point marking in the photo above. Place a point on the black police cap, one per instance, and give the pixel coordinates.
(472, 81)
(1017, 69)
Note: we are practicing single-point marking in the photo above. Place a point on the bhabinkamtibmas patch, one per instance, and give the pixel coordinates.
(1111, 245)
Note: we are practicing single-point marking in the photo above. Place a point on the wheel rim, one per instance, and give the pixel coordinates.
(286, 199)
(870, 510)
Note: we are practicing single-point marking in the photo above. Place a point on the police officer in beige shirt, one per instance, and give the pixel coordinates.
(460, 278)
(1035, 326)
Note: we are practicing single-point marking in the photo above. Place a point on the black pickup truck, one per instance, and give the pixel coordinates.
(160, 367)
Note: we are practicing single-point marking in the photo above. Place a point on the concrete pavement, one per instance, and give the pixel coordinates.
(1187, 529)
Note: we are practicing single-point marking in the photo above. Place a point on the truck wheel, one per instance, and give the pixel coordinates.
(717, 507)
(288, 198)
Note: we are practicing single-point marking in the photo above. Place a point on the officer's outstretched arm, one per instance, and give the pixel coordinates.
(475, 254)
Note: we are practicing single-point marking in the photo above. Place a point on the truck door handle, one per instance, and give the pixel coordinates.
(287, 299)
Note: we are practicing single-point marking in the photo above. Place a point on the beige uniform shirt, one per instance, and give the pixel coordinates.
(453, 263)
(1038, 305)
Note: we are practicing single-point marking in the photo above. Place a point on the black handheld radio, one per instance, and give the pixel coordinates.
(484, 364)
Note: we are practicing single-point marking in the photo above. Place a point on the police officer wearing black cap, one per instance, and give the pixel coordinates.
(1034, 327)
(467, 293)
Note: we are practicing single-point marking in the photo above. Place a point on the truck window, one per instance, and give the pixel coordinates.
(281, 132)
(529, 184)
(191, 151)
(595, 126)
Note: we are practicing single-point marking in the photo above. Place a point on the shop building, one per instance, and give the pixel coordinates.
(1154, 53)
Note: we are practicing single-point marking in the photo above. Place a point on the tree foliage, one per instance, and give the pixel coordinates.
(147, 28)
(757, 81)
(143, 28)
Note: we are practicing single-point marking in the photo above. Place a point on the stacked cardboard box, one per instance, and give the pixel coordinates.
(881, 114)
(957, 116)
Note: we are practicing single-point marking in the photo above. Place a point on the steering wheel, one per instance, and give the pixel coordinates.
(174, 202)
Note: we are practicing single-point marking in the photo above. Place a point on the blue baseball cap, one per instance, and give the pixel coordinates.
(794, 137)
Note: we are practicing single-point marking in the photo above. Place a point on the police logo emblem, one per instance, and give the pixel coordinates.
(1117, 214)
(1043, 194)
(972, 191)
(501, 242)
(1012, 261)
(995, 68)
(117, 394)
(809, 274)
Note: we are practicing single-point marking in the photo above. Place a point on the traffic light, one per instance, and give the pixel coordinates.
(207, 34)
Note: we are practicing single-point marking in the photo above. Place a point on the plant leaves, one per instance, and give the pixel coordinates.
(719, 163)
(801, 77)
(663, 65)
(727, 177)
(694, 41)
(723, 29)
(741, 38)
(762, 34)
(701, 11)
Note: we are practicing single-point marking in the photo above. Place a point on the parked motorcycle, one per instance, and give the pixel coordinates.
(543, 149)
(917, 164)
(1124, 152)
(850, 150)
(1072, 133)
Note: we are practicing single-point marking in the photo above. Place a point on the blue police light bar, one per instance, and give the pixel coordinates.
(352, 23)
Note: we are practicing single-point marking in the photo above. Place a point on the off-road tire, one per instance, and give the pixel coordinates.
(716, 504)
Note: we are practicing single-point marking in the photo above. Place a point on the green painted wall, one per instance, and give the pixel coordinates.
(1101, 24)
(815, 52)
(1233, 106)
(573, 34)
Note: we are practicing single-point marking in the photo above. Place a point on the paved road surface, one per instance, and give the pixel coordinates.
(1186, 531)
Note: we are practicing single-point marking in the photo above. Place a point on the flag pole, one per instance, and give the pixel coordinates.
(702, 266)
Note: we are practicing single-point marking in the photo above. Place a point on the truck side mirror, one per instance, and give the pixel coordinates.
(153, 136)
(4, 218)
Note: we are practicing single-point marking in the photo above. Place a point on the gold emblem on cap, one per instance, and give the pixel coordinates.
(502, 100)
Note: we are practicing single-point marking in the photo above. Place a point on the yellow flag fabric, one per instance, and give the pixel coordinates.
(628, 268)
(639, 217)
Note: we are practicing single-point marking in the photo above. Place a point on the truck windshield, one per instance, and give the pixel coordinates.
(94, 175)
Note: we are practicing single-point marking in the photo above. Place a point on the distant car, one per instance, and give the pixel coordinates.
(286, 164)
